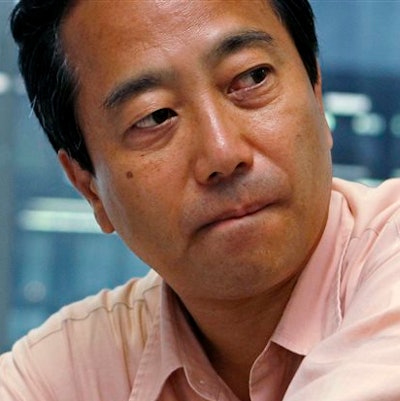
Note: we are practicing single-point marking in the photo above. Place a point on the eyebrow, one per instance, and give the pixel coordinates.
(230, 44)
(134, 87)
(238, 41)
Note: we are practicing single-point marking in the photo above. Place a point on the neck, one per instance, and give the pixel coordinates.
(234, 333)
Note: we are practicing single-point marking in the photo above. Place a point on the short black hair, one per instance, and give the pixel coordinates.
(298, 18)
(52, 85)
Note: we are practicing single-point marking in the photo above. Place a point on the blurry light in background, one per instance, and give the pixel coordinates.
(331, 120)
(369, 124)
(5, 83)
(347, 104)
(35, 291)
(61, 215)
(395, 125)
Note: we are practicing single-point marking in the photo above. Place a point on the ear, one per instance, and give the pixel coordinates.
(85, 183)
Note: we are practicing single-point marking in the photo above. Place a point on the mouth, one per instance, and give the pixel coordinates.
(234, 215)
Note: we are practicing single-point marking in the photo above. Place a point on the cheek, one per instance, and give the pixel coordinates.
(298, 141)
(310, 139)
(143, 205)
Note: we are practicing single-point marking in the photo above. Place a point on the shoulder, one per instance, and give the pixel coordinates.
(361, 353)
(372, 256)
(370, 207)
(91, 340)
(137, 300)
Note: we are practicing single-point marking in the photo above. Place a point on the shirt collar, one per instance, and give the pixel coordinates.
(314, 310)
(171, 346)
(160, 356)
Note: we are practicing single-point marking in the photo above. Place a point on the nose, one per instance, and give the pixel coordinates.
(222, 149)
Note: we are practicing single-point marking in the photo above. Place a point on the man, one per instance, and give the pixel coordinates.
(196, 131)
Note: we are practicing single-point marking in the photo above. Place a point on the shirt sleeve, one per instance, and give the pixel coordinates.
(361, 360)
(88, 351)
(19, 380)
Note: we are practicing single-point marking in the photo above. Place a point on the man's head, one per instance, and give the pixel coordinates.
(52, 83)
(205, 128)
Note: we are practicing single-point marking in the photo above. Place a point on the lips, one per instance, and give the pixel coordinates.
(218, 207)
(234, 214)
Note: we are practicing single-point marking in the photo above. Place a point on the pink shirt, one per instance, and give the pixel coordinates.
(338, 340)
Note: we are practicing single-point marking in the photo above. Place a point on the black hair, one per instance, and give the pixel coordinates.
(52, 85)
(298, 18)
(50, 82)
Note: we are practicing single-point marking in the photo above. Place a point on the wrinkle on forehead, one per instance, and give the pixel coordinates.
(108, 42)
(155, 15)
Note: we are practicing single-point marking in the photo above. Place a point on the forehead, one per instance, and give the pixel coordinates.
(156, 14)
(120, 26)
(108, 41)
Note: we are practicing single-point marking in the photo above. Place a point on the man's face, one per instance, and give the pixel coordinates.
(210, 147)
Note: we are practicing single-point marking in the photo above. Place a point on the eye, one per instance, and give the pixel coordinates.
(249, 79)
(156, 118)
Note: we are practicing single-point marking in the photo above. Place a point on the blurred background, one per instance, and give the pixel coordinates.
(51, 251)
